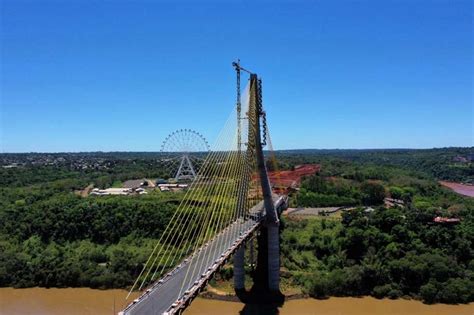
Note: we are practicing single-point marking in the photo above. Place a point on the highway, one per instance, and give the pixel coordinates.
(182, 283)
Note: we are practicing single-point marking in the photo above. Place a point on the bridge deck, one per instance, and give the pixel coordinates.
(179, 285)
(175, 291)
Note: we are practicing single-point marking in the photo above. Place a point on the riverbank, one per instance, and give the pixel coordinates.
(331, 306)
(80, 301)
(210, 295)
(55, 301)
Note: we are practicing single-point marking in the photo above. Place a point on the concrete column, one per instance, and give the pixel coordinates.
(252, 259)
(239, 270)
(273, 257)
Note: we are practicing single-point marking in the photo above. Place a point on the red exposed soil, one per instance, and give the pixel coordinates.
(282, 181)
(466, 190)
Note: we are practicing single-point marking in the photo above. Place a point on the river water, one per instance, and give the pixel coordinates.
(39, 301)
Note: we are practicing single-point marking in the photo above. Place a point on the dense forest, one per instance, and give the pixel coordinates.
(51, 236)
(345, 183)
(387, 252)
(384, 252)
(67, 240)
(441, 164)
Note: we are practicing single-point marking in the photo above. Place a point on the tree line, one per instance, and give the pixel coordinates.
(389, 252)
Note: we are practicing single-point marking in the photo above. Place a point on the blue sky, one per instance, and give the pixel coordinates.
(114, 75)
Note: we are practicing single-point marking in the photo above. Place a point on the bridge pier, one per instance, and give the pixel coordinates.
(265, 288)
(273, 257)
(239, 268)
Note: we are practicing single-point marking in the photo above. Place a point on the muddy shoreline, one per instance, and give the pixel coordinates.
(233, 298)
(80, 301)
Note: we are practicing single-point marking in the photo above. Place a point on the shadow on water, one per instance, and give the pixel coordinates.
(260, 309)
(260, 302)
(260, 299)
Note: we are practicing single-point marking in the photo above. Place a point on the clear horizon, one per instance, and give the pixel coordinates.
(265, 149)
(119, 77)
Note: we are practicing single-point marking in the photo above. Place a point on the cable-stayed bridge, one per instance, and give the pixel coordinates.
(229, 202)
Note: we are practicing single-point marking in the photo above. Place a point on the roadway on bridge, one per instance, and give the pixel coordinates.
(162, 295)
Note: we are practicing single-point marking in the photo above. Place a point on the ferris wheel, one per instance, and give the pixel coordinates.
(182, 153)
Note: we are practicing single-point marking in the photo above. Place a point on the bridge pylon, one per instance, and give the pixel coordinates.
(266, 276)
(230, 203)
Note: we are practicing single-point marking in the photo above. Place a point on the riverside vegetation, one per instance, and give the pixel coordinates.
(51, 237)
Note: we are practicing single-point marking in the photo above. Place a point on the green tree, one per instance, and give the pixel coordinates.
(372, 193)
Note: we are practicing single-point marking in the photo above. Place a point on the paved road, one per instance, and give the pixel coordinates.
(312, 211)
(188, 275)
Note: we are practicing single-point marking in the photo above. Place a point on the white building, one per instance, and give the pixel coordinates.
(111, 191)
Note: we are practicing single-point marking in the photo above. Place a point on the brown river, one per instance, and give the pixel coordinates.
(39, 301)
